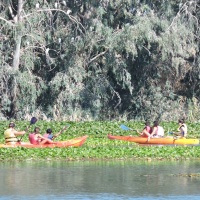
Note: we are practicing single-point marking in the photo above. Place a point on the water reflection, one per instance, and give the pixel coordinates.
(89, 180)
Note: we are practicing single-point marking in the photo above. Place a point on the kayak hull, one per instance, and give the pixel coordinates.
(76, 142)
(162, 141)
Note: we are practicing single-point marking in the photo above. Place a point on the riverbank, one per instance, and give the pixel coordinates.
(98, 146)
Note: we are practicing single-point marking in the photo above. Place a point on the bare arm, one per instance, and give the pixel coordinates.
(56, 135)
(43, 138)
(17, 133)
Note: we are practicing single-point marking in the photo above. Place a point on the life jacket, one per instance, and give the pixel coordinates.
(183, 131)
(10, 136)
(32, 139)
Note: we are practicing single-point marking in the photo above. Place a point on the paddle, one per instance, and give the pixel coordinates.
(33, 121)
(60, 132)
(174, 133)
(125, 128)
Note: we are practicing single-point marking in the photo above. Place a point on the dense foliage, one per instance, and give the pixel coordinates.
(98, 146)
(83, 59)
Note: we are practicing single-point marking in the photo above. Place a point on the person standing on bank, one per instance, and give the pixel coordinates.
(11, 134)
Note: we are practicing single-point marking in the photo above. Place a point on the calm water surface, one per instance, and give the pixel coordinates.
(100, 180)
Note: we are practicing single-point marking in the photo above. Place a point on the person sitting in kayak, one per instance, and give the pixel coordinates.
(50, 135)
(182, 129)
(157, 131)
(37, 138)
(11, 134)
(146, 132)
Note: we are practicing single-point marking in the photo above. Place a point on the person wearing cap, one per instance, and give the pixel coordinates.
(11, 134)
(37, 138)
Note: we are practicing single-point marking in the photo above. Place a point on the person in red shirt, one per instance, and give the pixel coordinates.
(146, 132)
(37, 138)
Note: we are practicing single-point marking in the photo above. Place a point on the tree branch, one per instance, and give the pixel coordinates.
(97, 56)
(8, 22)
(47, 10)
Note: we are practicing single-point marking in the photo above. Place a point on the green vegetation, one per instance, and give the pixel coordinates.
(98, 146)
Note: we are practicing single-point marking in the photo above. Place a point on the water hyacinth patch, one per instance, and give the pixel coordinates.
(98, 146)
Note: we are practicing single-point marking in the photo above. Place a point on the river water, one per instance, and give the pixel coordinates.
(103, 180)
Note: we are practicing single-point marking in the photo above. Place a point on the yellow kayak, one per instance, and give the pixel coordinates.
(163, 141)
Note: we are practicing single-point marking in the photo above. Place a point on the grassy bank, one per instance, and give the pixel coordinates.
(97, 145)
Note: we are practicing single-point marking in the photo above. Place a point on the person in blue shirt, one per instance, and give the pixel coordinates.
(49, 134)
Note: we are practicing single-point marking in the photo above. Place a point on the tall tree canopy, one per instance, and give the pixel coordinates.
(100, 60)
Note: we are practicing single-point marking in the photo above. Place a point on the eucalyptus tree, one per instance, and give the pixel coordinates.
(173, 57)
(148, 49)
(31, 45)
(99, 59)
(158, 44)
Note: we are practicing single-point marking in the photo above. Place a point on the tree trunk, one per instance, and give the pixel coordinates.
(16, 56)
(16, 53)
